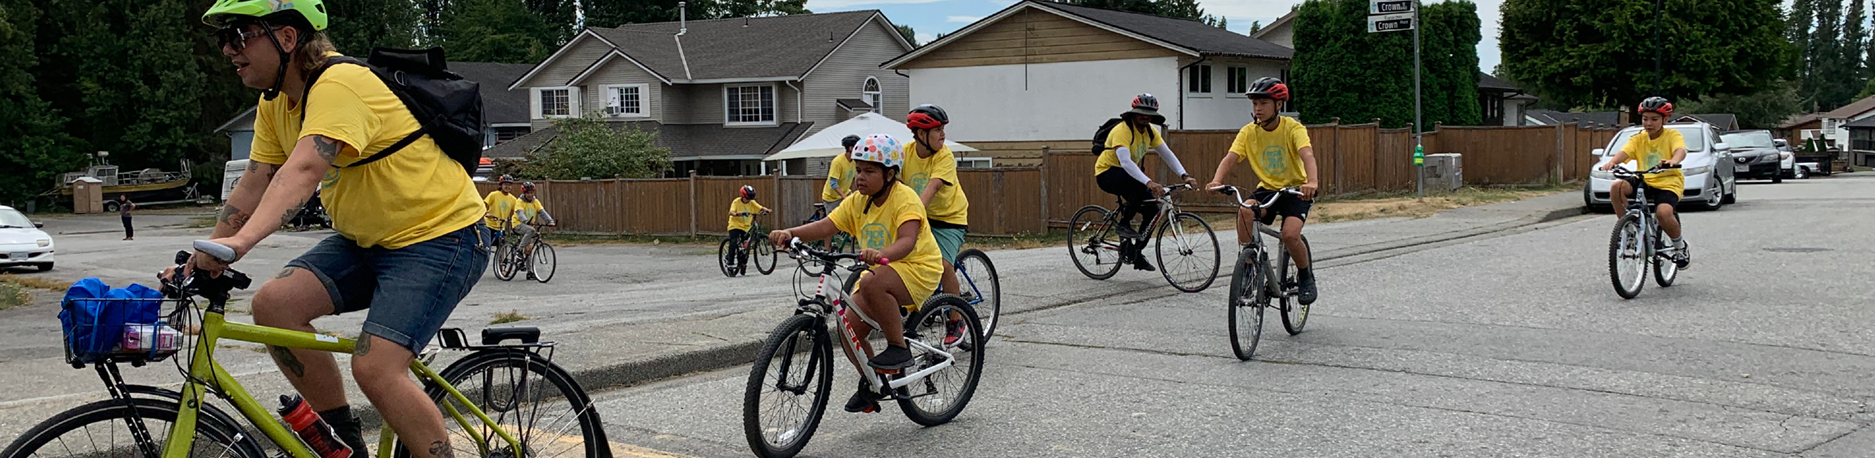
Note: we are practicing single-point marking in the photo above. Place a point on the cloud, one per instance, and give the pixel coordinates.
(924, 38)
(963, 19)
(833, 5)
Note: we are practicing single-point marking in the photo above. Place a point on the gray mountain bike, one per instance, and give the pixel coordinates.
(1255, 285)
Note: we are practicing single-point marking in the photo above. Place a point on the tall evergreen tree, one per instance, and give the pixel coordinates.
(124, 70)
(1825, 84)
(1341, 71)
(495, 31)
(1854, 40)
(613, 13)
(356, 26)
(33, 146)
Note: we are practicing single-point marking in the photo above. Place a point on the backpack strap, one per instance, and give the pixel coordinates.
(305, 100)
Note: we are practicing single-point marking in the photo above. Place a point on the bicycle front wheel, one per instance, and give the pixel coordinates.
(1627, 257)
(108, 429)
(724, 260)
(764, 256)
(976, 277)
(544, 262)
(526, 395)
(788, 388)
(1188, 254)
(940, 396)
(1665, 270)
(1092, 243)
(505, 266)
(1245, 304)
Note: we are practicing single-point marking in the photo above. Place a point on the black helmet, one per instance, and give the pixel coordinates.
(505, 179)
(1268, 88)
(1146, 105)
(927, 116)
(748, 192)
(1657, 105)
(527, 186)
(849, 141)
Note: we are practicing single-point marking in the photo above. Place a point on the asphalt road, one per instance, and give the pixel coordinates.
(1507, 346)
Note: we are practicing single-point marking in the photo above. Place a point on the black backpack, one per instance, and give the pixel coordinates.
(448, 107)
(1100, 135)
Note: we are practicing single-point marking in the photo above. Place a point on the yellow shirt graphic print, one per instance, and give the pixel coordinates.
(876, 227)
(1275, 155)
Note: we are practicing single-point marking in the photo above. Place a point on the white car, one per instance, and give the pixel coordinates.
(22, 243)
(1708, 186)
(1790, 166)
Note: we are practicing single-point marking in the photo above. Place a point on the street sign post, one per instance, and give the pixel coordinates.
(1389, 6)
(1390, 22)
(1392, 16)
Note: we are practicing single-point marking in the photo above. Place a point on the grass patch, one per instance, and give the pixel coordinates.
(35, 282)
(12, 295)
(507, 317)
(566, 239)
(200, 222)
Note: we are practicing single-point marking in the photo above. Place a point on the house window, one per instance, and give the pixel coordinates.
(1237, 80)
(973, 163)
(1199, 79)
(746, 105)
(556, 102)
(625, 100)
(870, 93)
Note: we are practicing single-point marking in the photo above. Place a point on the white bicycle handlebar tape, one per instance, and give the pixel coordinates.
(220, 252)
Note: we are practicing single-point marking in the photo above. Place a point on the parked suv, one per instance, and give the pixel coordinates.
(1755, 155)
(1709, 175)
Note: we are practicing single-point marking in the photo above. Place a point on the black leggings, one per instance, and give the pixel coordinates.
(1136, 198)
(128, 231)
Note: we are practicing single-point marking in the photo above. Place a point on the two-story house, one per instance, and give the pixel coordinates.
(721, 94)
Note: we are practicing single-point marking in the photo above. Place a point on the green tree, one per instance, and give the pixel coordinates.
(1341, 71)
(1602, 54)
(613, 13)
(1256, 26)
(122, 68)
(356, 26)
(495, 31)
(33, 146)
(587, 147)
(1854, 39)
(1757, 111)
(909, 34)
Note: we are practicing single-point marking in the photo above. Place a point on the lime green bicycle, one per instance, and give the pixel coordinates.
(504, 399)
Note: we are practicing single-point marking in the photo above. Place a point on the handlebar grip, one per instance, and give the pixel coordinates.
(884, 261)
(221, 252)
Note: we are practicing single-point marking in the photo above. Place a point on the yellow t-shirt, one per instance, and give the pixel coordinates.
(839, 179)
(742, 223)
(876, 227)
(1651, 151)
(1275, 155)
(500, 205)
(525, 212)
(949, 205)
(1122, 136)
(415, 195)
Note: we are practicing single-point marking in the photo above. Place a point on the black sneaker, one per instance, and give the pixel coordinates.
(893, 358)
(864, 400)
(1305, 282)
(1681, 256)
(1140, 263)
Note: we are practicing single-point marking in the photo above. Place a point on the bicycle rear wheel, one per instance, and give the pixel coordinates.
(939, 397)
(976, 277)
(106, 429)
(544, 262)
(1188, 253)
(1092, 243)
(1245, 304)
(1665, 270)
(1295, 314)
(764, 251)
(724, 260)
(525, 394)
(788, 388)
(1627, 263)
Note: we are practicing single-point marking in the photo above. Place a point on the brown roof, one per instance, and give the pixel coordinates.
(1853, 109)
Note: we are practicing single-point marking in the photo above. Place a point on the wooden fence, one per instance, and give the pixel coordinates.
(1356, 158)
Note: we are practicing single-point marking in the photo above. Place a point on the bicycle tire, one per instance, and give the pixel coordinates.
(543, 257)
(764, 251)
(989, 301)
(723, 260)
(1194, 276)
(1295, 315)
(504, 261)
(1627, 233)
(114, 410)
(936, 312)
(818, 373)
(1090, 235)
(1665, 270)
(1243, 307)
(580, 409)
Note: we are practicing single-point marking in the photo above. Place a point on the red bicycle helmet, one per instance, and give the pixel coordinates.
(748, 192)
(1268, 88)
(927, 116)
(1657, 105)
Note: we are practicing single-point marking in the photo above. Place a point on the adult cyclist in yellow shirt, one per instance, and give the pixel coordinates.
(1656, 144)
(1278, 149)
(528, 212)
(500, 203)
(889, 221)
(410, 234)
(1117, 172)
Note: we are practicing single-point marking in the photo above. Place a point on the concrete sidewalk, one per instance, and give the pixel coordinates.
(727, 318)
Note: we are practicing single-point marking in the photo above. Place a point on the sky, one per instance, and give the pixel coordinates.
(932, 17)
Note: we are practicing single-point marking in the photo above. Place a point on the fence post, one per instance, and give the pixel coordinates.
(1376, 151)
(781, 204)
(693, 203)
(1335, 126)
(1559, 154)
(1047, 211)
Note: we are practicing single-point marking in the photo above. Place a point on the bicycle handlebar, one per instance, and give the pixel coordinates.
(796, 248)
(1624, 172)
(1243, 201)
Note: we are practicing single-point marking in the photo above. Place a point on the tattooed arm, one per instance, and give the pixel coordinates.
(286, 190)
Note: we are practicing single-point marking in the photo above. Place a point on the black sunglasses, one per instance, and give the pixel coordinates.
(237, 35)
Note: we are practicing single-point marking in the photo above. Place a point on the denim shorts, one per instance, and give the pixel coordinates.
(415, 287)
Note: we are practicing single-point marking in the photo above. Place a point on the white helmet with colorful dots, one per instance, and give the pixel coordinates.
(880, 148)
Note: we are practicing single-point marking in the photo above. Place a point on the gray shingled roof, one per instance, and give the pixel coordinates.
(763, 47)
(1865, 123)
(1188, 34)
(853, 104)
(686, 141)
(499, 105)
(1853, 109)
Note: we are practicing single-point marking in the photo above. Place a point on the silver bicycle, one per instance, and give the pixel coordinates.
(1255, 285)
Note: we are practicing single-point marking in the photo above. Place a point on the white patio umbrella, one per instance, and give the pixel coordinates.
(826, 143)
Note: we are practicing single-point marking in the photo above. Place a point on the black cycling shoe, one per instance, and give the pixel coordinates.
(893, 358)
(1305, 282)
(864, 400)
(1140, 263)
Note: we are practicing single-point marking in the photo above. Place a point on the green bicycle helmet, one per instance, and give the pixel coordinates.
(225, 11)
